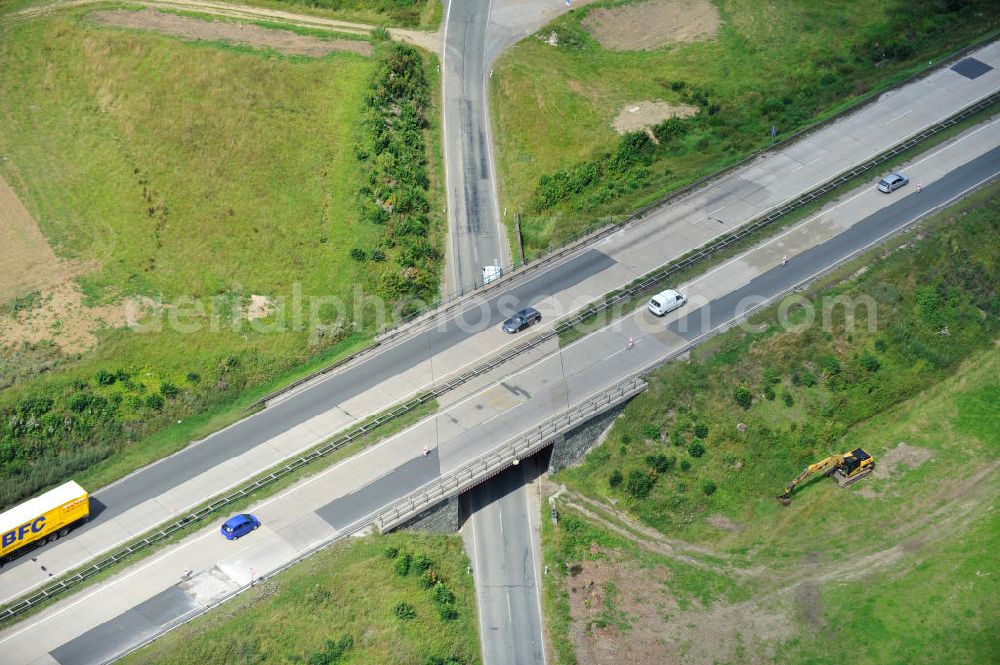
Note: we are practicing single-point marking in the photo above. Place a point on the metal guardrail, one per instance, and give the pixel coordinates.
(445, 304)
(519, 447)
(485, 367)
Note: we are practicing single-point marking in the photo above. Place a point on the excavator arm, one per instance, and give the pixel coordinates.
(822, 466)
(848, 468)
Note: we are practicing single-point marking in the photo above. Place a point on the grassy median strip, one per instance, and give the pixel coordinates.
(388, 429)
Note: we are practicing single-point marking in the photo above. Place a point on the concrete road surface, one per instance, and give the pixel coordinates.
(503, 542)
(423, 359)
(106, 619)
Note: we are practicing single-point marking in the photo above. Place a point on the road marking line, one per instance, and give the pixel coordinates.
(901, 115)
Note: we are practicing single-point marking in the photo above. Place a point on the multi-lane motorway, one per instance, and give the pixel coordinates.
(479, 416)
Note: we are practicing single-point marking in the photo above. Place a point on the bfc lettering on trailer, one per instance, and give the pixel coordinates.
(20, 532)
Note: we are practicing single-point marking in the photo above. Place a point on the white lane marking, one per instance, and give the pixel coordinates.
(898, 117)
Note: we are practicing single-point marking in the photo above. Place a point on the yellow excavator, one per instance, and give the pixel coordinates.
(848, 469)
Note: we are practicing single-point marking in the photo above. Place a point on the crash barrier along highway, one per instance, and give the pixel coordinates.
(519, 447)
(587, 237)
(338, 442)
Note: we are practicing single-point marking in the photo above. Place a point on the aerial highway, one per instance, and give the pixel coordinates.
(509, 399)
(105, 620)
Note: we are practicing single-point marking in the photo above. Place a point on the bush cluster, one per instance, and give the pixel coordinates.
(333, 652)
(392, 152)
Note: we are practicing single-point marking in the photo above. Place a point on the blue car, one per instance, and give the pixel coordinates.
(240, 525)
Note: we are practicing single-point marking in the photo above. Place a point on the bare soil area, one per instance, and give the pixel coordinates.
(903, 455)
(625, 613)
(283, 41)
(654, 24)
(27, 265)
(640, 115)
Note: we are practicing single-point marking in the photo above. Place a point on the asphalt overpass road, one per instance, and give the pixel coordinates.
(329, 405)
(104, 620)
(476, 237)
(503, 542)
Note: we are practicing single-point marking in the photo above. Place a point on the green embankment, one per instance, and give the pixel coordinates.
(348, 604)
(563, 165)
(900, 565)
(194, 174)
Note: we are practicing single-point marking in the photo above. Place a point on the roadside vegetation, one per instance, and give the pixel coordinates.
(323, 611)
(564, 166)
(403, 13)
(691, 471)
(213, 193)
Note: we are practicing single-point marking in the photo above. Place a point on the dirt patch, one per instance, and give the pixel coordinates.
(903, 455)
(283, 41)
(28, 265)
(654, 24)
(639, 115)
(624, 613)
(724, 523)
(61, 319)
(260, 307)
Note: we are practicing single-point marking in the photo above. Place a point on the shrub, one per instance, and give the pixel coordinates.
(402, 565)
(358, 254)
(639, 485)
(772, 375)
(428, 579)
(422, 563)
(787, 398)
(743, 396)
(869, 362)
(105, 378)
(332, 651)
(708, 487)
(701, 430)
(378, 255)
(769, 393)
(660, 463)
(447, 612)
(193, 377)
(650, 431)
(154, 401)
(808, 379)
(677, 437)
(391, 552)
(169, 390)
(685, 464)
(405, 611)
(696, 449)
(443, 595)
(615, 479)
(829, 365)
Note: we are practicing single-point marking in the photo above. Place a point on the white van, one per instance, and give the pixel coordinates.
(490, 273)
(666, 301)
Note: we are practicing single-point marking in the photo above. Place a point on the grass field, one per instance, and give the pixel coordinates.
(196, 174)
(786, 65)
(899, 565)
(332, 597)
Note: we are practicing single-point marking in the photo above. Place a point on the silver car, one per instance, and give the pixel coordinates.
(892, 182)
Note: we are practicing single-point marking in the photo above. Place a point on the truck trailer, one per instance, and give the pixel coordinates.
(44, 518)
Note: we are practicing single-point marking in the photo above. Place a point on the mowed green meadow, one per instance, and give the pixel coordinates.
(785, 64)
(192, 174)
(349, 595)
(182, 168)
